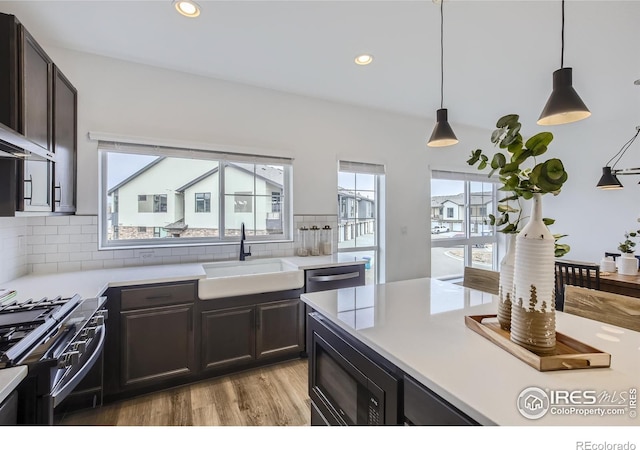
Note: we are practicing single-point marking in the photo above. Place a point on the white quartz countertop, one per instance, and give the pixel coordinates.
(418, 325)
(9, 380)
(92, 283)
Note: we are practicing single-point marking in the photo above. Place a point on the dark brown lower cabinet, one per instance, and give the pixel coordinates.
(234, 337)
(157, 344)
(279, 328)
(228, 337)
(162, 335)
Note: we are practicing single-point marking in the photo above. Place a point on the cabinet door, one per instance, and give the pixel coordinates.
(228, 337)
(36, 122)
(64, 143)
(279, 328)
(156, 344)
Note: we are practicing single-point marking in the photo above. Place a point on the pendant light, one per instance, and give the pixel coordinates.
(442, 134)
(564, 104)
(609, 179)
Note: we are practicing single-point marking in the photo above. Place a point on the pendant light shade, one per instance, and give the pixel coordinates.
(564, 104)
(442, 135)
(608, 180)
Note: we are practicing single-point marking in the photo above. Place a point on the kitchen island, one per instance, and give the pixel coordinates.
(418, 326)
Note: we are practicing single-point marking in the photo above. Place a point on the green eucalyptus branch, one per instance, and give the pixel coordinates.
(519, 181)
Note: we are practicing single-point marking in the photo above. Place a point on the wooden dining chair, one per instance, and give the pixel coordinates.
(575, 273)
(607, 307)
(481, 279)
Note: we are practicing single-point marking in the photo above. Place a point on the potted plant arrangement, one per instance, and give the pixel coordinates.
(530, 294)
(627, 262)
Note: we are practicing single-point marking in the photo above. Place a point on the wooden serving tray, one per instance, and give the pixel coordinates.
(569, 353)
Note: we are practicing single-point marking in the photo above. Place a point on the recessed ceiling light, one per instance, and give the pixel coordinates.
(363, 60)
(187, 8)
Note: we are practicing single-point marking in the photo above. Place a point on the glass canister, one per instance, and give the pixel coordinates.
(326, 240)
(302, 242)
(315, 240)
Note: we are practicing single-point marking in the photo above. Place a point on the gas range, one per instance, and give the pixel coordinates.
(59, 339)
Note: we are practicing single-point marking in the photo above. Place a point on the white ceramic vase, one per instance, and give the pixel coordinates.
(627, 264)
(533, 324)
(505, 290)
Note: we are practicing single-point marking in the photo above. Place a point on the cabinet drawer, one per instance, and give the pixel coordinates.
(423, 407)
(159, 295)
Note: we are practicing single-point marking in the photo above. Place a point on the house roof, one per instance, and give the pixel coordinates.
(271, 174)
(136, 174)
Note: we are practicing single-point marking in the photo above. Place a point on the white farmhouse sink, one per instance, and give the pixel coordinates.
(231, 278)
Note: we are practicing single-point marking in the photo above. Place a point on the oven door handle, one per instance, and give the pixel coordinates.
(61, 392)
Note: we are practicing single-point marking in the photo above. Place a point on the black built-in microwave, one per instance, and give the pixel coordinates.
(346, 387)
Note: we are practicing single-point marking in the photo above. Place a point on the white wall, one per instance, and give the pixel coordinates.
(13, 248)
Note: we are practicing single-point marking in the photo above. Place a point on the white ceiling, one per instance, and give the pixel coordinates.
(499, 55)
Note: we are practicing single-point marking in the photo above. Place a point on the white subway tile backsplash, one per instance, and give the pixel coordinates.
(70, 229)
(80, 238)
(57, 239)
(80, 256)
(83, 220)
(57, 220)
(89, 229)
(43, 229)
(56, 257)
(69, 243)
(44, 268)
(36, 258)
(113, 263)
(69, 266)
(105, 254)
(37, 240)
(91, 265)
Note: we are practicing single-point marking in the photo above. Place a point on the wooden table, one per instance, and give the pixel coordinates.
(620, 284)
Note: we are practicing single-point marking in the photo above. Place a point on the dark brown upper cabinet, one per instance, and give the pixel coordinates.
(64, 143)
(38, 112)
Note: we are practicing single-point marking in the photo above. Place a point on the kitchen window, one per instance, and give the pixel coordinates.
(463, 236)
(359, 204)
(190, 196)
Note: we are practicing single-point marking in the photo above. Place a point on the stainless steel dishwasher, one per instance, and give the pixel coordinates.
(328, 278)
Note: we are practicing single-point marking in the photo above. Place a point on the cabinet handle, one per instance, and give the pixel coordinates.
(157, 297)
(58, 188)
(342, 276)
(30, 181)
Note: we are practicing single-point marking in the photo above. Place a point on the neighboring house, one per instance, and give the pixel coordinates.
(354, 205)
(189, 203)
(356, 215)
(450, 209)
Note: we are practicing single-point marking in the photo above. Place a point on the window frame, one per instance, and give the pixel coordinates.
(205, 200)
(350, 207)
(223, 158)
(468, 242)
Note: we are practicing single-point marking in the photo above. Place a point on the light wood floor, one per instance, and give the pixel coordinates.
(273, 395)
